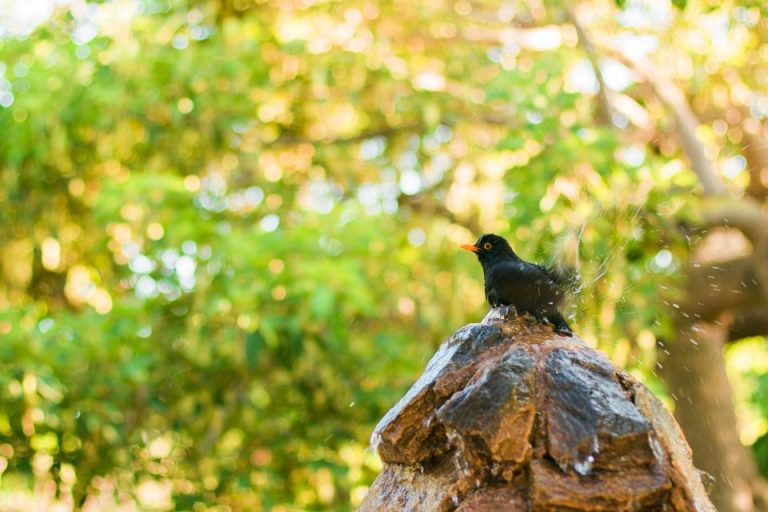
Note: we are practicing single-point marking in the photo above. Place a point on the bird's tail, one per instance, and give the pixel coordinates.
(564, 263)
(567, 279)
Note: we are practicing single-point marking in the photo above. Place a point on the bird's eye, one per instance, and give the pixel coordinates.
(487, 246)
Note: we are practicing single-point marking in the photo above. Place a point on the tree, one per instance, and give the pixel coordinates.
(224, 223)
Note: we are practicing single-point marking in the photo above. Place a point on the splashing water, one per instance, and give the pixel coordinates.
(584, 467)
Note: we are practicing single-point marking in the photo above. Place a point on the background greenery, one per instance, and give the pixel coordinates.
(229, 229)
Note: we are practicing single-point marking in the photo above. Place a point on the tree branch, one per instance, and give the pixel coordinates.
(755, 151)
(749, 322)
(723, 286)
(291, 139)
(422, 203)
(686, 120)
(747, 216)
(754, 144)
(606, 108)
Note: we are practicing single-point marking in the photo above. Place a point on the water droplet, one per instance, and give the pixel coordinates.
(584, 467)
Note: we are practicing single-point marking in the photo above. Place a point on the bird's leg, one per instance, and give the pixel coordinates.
(555, 319)
(559, 323)
(493, 300)
(537, 316)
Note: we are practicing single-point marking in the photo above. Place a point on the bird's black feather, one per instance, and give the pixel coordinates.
(512, 281)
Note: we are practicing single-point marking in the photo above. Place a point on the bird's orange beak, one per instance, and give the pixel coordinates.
(470, 247)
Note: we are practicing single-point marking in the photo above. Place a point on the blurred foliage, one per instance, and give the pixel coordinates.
(229, 229)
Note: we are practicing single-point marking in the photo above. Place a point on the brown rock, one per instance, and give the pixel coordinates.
(688, 490)
(408, 433)
(604, 491)
(493, 416)
(588, 417)
(510, 416)
(511, 496)
(432, 486)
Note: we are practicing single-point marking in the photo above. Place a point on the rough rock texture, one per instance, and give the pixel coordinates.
(510, 416)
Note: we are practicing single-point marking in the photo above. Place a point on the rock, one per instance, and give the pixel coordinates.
(433, 486)
(408, 433)
(688, 491)
(588, 418)
(510, 416)
(493, 416)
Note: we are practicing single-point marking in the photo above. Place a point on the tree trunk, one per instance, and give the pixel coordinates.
(696, 378)
(695, 369)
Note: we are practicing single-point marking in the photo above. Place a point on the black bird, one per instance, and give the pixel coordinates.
(512, 281)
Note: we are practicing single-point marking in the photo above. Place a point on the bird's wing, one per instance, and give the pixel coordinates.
(563, 278)
(522, 284)
(522, 273)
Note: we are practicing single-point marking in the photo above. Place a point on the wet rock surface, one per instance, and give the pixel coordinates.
(509, 415)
